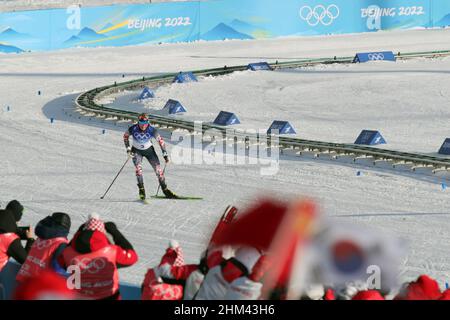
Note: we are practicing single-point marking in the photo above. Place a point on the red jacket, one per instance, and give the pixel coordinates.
(90, 245)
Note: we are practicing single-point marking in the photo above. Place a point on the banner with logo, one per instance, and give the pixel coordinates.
(122, 25)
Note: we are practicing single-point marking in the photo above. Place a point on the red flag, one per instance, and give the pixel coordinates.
(256, 227)
(288, 246)
(277, 227)
(227, 218)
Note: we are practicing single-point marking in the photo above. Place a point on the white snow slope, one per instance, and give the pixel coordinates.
(66, 166)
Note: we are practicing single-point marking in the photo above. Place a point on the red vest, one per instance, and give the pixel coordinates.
(154, 290)
(99, 275)
(5, 241)
(40, 257)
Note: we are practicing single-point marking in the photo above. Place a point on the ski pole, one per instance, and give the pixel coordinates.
(159, 186)
(128, 158)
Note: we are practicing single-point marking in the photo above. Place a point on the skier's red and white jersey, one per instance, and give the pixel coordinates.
(40, 257)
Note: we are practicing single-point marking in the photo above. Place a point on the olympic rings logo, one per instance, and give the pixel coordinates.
(319, 14)
(375, 56)
(42, 244)
(91, 266)
(141, 136)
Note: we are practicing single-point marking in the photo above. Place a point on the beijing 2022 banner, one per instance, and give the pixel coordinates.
(122, 25)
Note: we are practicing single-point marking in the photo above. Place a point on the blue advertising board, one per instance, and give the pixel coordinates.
(375, 56)
(259, 66)
(225, 118)
(146, 94)
(122, 25)
(174, 106)
(370, 137)
(445, 148)
(281, 127)
(184, 77)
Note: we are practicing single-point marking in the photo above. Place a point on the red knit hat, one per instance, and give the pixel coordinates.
(174, 255)
(48, 285)
(368, 295)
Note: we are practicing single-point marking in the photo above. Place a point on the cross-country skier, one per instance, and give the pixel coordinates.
(142, 133)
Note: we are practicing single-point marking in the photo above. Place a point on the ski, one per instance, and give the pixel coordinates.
(177, 198)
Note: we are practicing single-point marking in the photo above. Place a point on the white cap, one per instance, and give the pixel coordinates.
(248, 256)
(94, 216)
(315, 291)
(173, 244)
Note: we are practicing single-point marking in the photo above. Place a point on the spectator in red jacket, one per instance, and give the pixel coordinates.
(190, 276)
(158, 285)
(10, 245)
(98, 260)
(52, 232)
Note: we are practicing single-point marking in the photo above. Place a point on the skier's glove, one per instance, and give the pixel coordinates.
(129, 152)
(118, 237)
(110, 227)
(166, 157)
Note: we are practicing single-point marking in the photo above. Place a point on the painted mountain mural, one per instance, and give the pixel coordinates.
(222, 32)
(73, 40)
(244, 27)
(86, 34)
(9, 49)
(89, 34)
(107, 26)
(445, 21)
(254, 31)
(11, 35)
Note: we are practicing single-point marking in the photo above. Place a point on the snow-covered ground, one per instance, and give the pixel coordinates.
(327, 102)
(66, 166)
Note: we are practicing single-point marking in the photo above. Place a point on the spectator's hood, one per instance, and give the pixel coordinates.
(47, 228)
(7, 222)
